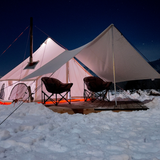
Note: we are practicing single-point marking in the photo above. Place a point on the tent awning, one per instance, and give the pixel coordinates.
(98, 56)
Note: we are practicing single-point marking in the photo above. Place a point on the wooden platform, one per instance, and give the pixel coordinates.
(97, 106)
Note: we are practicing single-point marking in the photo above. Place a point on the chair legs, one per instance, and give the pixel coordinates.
(56, 101)
(63, 97)
(89, 95)
(92, 96)
(48, 98)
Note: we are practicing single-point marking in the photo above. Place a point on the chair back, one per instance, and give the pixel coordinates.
(54, 85)
(96, 84)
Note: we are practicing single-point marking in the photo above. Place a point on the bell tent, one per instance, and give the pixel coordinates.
(68, 72)
(110, 56)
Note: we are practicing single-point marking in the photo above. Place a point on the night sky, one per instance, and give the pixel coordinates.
(73, 23)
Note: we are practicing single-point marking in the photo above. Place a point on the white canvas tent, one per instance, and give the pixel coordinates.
(68, 72)
(110, 56)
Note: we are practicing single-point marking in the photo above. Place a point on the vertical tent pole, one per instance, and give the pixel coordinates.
(31, 39)
(31, 64)
(114, 75)
(67, 73)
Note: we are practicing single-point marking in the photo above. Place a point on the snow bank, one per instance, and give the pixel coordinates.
(35, 132)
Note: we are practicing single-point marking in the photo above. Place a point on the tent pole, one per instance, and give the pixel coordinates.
(31, 64)
(67, 73)
(114, 75)
(31, 39)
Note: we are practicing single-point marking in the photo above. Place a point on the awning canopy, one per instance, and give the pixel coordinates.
(107, 54)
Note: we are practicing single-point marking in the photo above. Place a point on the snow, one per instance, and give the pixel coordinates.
(34, 132)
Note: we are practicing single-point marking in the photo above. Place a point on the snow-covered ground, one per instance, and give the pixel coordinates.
(34, 132)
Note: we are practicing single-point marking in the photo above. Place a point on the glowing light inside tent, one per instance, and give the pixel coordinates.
(47, 40)
(64, 101)
(48, 102)
(5, 103)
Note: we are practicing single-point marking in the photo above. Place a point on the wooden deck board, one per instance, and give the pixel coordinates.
(97, 106)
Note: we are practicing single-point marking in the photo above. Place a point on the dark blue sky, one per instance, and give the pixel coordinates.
(73, 23)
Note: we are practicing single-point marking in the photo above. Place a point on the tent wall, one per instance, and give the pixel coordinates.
(76, 75)
(47, 51)
(59, 74)
(10, 84)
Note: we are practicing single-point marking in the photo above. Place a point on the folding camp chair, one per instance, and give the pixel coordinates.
(54, 86)
(96, 88)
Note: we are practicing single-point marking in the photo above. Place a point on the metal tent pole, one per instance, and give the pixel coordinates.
(31, 39)
(67, 76)
(114, 75)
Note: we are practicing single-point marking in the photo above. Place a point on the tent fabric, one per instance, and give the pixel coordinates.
(55, 63)
(47, 51)
(2, 91)
(100, 55)
(111, 46)
(76, 75)
(19, 92)
(110, 56)
(9, 85)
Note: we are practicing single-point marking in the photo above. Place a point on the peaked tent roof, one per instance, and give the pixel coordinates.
(107, 51)
(47, 51)
(68, 72)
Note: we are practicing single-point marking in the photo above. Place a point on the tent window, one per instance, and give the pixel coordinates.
(2, 93)
(20, 92)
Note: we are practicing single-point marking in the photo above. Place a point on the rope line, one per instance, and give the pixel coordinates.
(51, 38)
(13, 42)
(24, 57)
(14, 110)
(36, 89)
